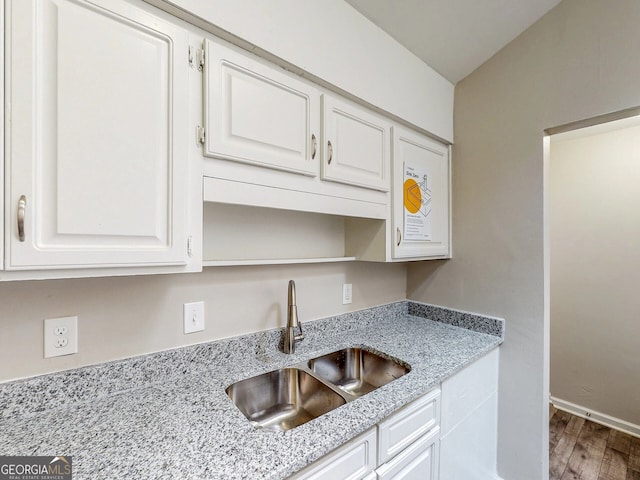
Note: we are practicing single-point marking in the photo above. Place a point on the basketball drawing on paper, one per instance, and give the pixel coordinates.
(417, 196)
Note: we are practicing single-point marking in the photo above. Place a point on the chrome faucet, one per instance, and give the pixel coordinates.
(290, 337)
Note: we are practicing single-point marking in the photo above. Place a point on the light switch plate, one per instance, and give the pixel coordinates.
(347, 293)
(193, 314)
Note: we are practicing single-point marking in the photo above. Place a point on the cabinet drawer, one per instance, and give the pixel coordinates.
(418, 462)
(353, 461)
(404, 427)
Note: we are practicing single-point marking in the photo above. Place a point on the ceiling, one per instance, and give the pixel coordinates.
(454, 37)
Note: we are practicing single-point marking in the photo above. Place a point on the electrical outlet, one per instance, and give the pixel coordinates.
(60, 336)
(347, 293)
(60, 330)
(193, 314)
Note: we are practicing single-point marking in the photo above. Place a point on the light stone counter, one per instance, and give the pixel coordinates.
(166, 415)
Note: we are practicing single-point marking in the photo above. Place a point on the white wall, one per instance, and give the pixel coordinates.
(594, 194)
(331, 41)
(124, 316)
(580, 60)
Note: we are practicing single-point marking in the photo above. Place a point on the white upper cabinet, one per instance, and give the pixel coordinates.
(258, 114)
(96, 136)
(263, 147)
(355, 145)
(421, 196)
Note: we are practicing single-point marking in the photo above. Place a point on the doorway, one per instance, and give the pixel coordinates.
(592, 274)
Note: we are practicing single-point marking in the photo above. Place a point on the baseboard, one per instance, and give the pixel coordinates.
(597, 417)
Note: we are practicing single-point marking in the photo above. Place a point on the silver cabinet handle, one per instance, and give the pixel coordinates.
(22, 204)
(314, 142)
(330, 152)
(398, 236)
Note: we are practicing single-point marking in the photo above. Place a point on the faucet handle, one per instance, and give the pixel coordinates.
(300, 336)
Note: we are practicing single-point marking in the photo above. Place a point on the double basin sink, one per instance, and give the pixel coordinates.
(286, 398)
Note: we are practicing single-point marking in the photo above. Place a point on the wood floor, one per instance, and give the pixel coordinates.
(583, 450)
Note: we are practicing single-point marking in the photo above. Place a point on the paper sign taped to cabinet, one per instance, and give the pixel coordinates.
(417, 203)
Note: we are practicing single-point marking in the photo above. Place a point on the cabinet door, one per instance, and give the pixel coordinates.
(469, 421)
(417, 462)
(259, 114)
(467, 389)
(475, 440)
(421, 196)
(355, 145)
(96, 137)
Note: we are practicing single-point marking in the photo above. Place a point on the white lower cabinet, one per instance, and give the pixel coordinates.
(469, 422)
(402, 446)
(447, 434)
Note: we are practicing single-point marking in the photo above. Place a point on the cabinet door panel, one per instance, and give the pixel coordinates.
(257, 114)
(421, 196)
(467, 389)
(355, 145)
(469, 421)
(95, 127)
(475, 440)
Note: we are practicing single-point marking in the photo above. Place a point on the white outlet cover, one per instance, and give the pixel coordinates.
(347, 293)
(60, 336)
(193, 314)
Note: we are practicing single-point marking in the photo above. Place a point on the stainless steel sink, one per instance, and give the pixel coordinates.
(286, 398)
(283, 399)
(357, 371)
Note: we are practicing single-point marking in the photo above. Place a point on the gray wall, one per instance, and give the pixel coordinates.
(331, 41)
(123, 316)
(581, 60)
(594, 193)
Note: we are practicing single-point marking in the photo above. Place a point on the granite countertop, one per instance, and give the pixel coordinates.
(166, 415)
